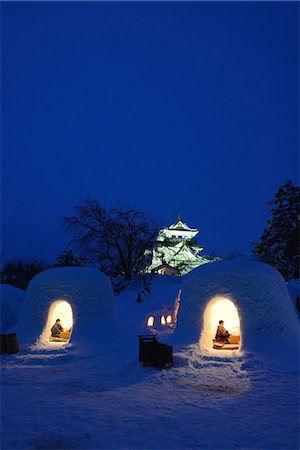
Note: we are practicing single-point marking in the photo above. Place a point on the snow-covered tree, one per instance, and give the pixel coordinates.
(279, 243)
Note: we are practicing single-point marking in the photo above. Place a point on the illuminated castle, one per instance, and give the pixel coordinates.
(176, 251)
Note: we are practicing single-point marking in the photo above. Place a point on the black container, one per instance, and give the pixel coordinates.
(11, 343)
(153, 353)
(2, 344)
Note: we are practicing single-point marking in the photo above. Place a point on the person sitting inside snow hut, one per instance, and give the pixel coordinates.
(222, 335)
(56, 329)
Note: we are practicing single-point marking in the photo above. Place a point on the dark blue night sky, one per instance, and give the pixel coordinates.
(187, 108)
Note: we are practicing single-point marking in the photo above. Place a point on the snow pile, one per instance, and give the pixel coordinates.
(163, 293)
(89, 294)
(268, 323)
(11, 304)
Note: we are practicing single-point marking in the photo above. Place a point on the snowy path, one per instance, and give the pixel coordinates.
(62, 401)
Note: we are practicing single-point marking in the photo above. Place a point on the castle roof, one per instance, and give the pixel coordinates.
(180, 225)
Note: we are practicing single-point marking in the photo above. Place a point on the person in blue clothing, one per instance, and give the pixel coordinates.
(56, 329)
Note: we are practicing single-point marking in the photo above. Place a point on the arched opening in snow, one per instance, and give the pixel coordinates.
(62, 310)
(163, 320)
(169, 319)
(220, 308)
(150, 321)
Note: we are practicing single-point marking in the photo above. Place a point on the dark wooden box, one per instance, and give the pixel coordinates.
(153, 353)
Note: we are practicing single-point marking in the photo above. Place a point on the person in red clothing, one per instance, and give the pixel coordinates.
(222, 335)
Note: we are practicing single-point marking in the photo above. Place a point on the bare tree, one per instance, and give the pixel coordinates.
(116, 239)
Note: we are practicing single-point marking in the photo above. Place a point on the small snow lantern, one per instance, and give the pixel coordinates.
(150, 321)
(163, 320)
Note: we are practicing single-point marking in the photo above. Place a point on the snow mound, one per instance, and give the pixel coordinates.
(11, 304)
(268, 323)
(294, 290)
(163, 293)
(164, 290)
(89, 296)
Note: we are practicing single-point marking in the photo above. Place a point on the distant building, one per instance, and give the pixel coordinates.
(176, 251)
(165, 269)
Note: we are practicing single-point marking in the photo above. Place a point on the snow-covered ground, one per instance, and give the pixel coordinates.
(70, 398)
(64, 401)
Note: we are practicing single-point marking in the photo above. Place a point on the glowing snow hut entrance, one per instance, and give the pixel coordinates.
(59, 310)
(220, 308)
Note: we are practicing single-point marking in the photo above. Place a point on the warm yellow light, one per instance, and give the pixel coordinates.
(59, 309)
(169, 319)
(150, 321)
(225, 310)
(163, 320)
(63, 311)
(219, 308)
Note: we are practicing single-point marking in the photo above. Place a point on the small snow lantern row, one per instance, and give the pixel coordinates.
(160, 319)
(164, 318)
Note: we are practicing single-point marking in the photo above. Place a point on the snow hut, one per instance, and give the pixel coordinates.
(250, 297)
(81, 298)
